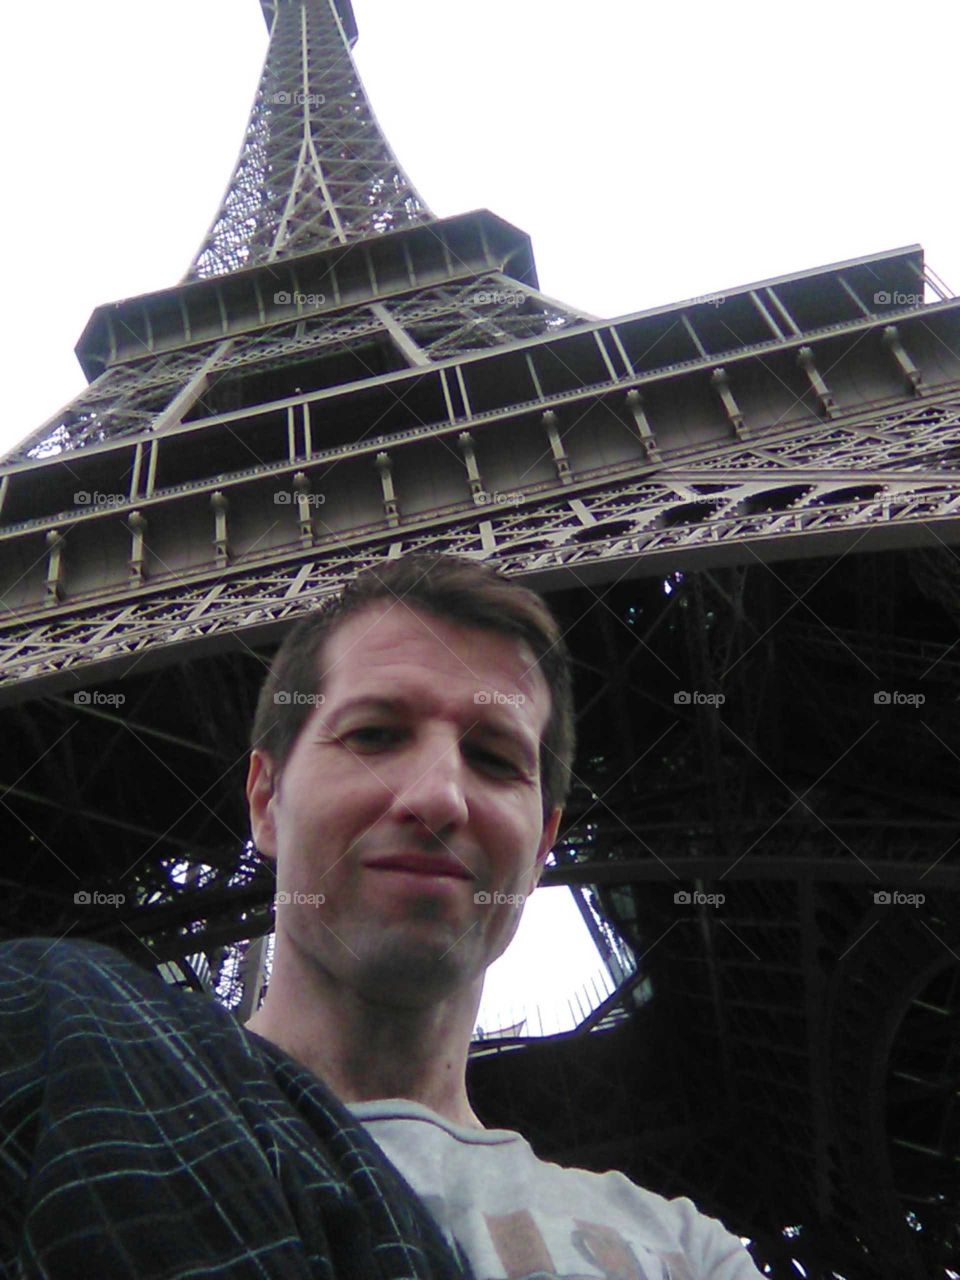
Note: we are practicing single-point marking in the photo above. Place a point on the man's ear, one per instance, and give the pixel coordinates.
(261, 789)
(547, 841)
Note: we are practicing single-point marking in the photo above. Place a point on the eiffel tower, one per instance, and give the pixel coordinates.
(745, 509)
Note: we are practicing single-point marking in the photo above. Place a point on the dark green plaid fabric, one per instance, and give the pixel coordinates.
(145, 1133)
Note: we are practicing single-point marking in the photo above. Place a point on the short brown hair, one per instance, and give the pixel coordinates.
(454, 589)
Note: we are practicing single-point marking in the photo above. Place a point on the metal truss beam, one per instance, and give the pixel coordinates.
(314, 168)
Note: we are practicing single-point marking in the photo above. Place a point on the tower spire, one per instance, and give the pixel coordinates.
(315, 169)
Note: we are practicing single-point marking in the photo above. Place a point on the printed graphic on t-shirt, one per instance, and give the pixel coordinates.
(525, 1254)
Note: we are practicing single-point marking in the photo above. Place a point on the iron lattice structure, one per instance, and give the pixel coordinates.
(315, 171)
(745, 511)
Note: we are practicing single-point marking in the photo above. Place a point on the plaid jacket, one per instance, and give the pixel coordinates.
(145, 1133)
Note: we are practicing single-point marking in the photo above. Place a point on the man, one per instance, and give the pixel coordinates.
(411, 758)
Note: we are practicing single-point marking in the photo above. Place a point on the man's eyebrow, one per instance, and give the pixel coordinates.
(378, 704)
(492, 728)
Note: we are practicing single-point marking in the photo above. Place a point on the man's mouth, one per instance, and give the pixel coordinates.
(423, 864)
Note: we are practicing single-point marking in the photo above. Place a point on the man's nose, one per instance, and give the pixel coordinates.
(432, 786)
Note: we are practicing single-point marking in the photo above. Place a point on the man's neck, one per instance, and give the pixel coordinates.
(366, 1051)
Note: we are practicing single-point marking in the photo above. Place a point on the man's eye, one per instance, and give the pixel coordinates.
(491, 760)
(370, 735)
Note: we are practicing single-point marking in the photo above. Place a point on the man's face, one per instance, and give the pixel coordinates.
(402, 758)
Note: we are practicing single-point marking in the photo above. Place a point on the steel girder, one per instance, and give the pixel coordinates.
(148, 396)
(628, 526)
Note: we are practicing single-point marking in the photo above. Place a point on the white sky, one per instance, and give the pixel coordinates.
(653, 153)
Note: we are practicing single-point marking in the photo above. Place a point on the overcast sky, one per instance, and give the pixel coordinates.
(652, 152)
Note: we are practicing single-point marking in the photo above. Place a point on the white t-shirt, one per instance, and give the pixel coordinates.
(516, 1216)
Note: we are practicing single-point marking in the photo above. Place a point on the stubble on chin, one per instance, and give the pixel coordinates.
(413, 958)
(411, 964)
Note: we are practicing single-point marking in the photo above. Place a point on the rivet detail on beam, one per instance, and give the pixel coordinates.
(465, 441)
(219, 503)
(806, 361)
(560, 460)
(721, 384)
(390, 508)
(892, 340)
(54, 584)
(137, 524)
(647, 438)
